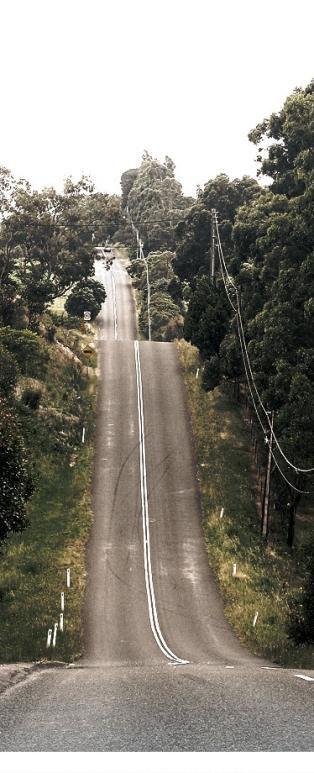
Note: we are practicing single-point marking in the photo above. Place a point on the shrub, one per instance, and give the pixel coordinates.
(28, 349)
(31, 398)
(8, 372)
(16, 485)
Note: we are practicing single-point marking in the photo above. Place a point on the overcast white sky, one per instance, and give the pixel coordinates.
(86, 86)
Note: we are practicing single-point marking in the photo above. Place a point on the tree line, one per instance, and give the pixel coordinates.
(267, 236)
(47, 242)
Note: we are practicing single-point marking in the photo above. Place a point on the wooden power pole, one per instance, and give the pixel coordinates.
(265, 514)
(212, 246)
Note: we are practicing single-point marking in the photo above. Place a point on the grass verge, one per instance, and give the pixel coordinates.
(268, 579)
(33, 564)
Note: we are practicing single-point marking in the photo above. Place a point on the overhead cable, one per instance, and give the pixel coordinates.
(244, 346)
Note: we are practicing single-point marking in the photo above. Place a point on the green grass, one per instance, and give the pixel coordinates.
(33, 564)
(268, 578)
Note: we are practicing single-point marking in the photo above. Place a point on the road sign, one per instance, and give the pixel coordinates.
(87, 316)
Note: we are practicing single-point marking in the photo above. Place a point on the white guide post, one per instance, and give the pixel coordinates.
(54, 640)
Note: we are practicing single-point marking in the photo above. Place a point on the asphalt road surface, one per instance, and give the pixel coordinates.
(162, 670)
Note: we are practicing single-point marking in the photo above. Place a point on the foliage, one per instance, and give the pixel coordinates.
(8, 372)
(47, 241)
(269, 581)
(193, 232)
(267, 238)
(28, 349)
(15, 482)
(59, 513)
(87, 296)
(31, 398)
(154, 199)
(207, 318)
(165, 311)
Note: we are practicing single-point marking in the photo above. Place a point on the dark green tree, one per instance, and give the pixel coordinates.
(87, 296)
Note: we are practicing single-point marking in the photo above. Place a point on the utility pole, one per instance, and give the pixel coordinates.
(265, 514)
(212, 245)
(148, 290)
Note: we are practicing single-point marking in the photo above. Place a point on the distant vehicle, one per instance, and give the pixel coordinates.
(107, 248)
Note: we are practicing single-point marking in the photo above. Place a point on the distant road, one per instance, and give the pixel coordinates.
(162, 669)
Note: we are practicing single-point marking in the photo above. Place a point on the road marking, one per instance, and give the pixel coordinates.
(306, 678)
(114, 301)
(152, 610)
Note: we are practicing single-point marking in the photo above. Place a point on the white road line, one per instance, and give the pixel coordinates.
(306, 678)
(114, 301)
(152, 610)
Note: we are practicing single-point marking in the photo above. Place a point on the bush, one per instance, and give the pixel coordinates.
(51, 333)
(31, 398)
(16, 485)
(8, 372)
(28, 349)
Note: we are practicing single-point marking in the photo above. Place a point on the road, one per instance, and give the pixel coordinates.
(162, 670)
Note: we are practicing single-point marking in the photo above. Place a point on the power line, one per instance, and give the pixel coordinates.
(246, 361)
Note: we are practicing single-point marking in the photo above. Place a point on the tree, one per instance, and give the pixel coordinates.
(87, 296)
(47, 242)
(207, 319)
(289, 159)
(155, 201)
(193, 232)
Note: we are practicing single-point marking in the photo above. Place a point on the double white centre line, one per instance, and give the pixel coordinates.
(152, 610)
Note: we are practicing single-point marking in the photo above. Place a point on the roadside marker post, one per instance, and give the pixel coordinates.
(83, 435)
(234, 570)
(255, 619)
(61, 621)
(49, 637)
(62, 602)
(68, 578)
(222, 512)
(197, 372)
(54, 640)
